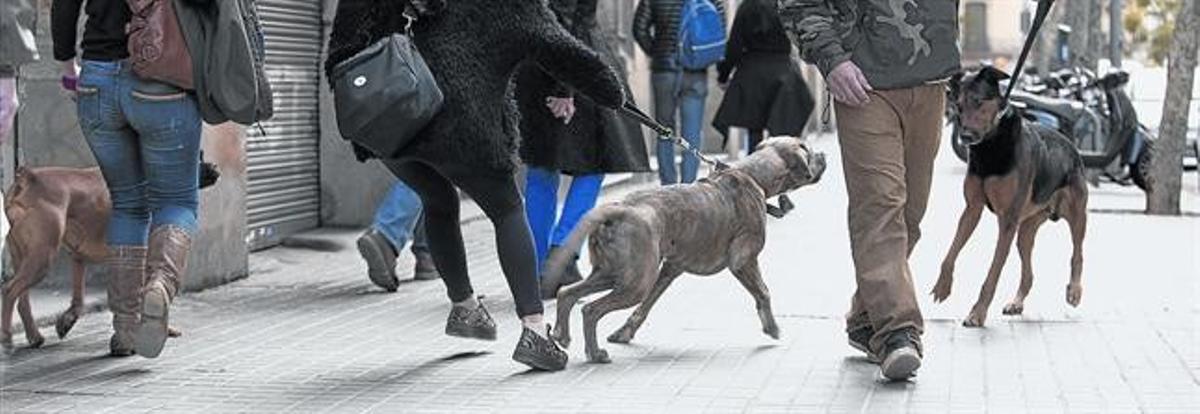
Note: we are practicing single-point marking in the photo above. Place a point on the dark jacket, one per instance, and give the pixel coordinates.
(656, 29)
(767, 90)
(896, 43)
(598, 139)
(473, 48)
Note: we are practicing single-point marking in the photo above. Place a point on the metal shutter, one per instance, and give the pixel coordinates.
(283, 195)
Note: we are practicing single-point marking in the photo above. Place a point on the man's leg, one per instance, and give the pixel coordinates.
(666, 89)
(691, 118)
(922, 136)
(395, 217)
(541, 207)
(873, 155)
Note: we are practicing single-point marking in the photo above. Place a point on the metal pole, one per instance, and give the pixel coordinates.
(1116, 32)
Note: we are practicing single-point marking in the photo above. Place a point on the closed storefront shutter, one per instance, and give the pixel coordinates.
(283, 163)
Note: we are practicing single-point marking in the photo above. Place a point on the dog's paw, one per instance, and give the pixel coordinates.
(64, 323)
(771, 331)
(598, 356)
(1074, 294)
(35, 341)
(621, 336)
(974, 320)
(941, 290)
(1014, 308)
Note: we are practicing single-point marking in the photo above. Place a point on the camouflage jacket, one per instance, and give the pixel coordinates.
(896, 43)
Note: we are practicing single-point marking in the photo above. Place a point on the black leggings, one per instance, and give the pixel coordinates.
(754, 136)
(497, 194)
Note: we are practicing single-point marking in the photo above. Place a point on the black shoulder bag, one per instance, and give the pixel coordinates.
(385, 94)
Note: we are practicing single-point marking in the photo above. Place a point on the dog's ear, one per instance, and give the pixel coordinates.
(992, 75)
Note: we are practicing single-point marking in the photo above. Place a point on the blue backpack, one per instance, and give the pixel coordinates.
(701, 35)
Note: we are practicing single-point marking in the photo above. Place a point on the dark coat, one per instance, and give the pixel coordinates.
(473, 48)
(598, 139)
(767, 90)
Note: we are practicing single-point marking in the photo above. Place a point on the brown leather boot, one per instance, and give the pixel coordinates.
(166, 262)
(126, 266)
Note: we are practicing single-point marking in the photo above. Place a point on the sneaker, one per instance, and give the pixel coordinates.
(860, 338)
(425, 269)
(539, 352)
(902, 351)
(471, 323)
(380, 256)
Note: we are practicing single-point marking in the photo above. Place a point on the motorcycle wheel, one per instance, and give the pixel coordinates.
(1141, 167)
(961, 150)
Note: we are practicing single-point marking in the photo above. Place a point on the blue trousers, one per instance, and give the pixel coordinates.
(145, 136)
(683, 93)
(541, 207)
(399, 218)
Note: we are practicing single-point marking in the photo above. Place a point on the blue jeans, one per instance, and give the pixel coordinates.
(399, 216)
(682, 92)
(145, 136)
(541, 205)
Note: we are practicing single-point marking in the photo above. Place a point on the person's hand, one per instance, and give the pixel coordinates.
(848, 85)
(70, 77)
(562, 108)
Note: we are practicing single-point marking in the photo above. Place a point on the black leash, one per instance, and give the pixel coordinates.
(667, 134)
(1043, 9)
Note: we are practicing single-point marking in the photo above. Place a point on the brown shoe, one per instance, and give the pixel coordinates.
(425, 268)
(166, 263)
(126, 267)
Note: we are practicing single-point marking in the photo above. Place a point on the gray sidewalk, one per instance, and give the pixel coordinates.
(307, 332)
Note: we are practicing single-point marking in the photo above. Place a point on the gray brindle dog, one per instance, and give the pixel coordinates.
(641, 244)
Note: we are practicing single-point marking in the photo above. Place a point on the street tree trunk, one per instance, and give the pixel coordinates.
(1079, 17)
(1166, 155)
(1097, 41)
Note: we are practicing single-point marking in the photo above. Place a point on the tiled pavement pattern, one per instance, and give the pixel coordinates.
(308, 333)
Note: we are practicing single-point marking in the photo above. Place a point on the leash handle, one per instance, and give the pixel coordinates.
(1043, 9)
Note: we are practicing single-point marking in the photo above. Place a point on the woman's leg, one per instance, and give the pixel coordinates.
(541, 205)
(439, 200)
(585, 190)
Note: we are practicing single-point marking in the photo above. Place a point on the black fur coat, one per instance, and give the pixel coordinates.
(473, 48)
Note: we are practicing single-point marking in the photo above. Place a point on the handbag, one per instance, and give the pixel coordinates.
(384, 95)
(157, 48)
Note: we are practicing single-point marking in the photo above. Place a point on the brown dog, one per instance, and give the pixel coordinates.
(1023, 172)
(49, 208)
(640, 245)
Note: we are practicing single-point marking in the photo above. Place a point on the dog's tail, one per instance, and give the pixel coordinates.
(599, 216)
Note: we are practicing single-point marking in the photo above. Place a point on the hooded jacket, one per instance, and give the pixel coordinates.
(896, 43)
(472, 48)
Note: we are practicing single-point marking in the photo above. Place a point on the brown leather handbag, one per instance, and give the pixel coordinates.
(157, 48)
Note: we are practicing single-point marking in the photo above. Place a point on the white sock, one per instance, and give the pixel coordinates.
(470, 303)
(535, 323)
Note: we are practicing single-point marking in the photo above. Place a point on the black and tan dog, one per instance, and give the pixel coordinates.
(641, 244)
(51, 208)
(1023, 172)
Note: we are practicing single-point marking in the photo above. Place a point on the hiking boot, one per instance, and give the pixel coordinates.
(126, 267)
(166, 263)
(901, 355)
(380, 256)
(425, 268)
(539, 352)
(860, 338)
(471, 323)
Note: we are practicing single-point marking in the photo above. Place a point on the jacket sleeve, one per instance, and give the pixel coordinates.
(736, 46)
(64, 20)
(812, 27)
(569, 61)
(583, 21)
(643, 26)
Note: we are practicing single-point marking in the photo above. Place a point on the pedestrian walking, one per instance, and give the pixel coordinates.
(886, 63)
(18, 19)
(398, 219)
(472, 49)
(145, 136)
(678, 91)
(562, 133)
(764, 89)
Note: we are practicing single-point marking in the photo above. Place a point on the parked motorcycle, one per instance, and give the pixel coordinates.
(1095, 113)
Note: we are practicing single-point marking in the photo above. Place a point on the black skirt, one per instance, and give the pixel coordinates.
(767, 92)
